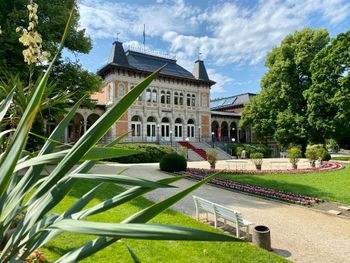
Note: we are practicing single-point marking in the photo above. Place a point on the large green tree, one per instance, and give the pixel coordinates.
(52, 16)
(279, 111)
(328, 98)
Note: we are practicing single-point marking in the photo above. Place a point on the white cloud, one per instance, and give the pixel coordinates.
(226, 33)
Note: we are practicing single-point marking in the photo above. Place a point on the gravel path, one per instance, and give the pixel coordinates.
(297, 233)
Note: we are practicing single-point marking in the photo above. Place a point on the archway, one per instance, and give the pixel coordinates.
(76, 128)
(91, 119)
(215, 130)
(136, 127)
(151, 129)
(165, 129)
(224, 131)
(190, 129)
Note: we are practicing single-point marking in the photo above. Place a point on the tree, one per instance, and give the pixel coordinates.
(328, 98)
(279, 111)
(52, 18)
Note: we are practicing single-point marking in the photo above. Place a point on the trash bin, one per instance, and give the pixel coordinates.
(261, 237)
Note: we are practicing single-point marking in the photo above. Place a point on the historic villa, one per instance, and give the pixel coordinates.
(176, 107)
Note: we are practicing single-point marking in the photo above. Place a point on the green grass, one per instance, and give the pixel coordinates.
(341, 158)
(332, 185)
(153, 251)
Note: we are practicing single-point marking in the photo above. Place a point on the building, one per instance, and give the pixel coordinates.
(225, 115)
(176, 105)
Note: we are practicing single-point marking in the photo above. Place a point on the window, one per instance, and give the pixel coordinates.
(204, 100)
(121, 90)
(176, 98)
(162, 96)
(181, 99)
(193, 102)
(135, 126)
(188, 99)
(168, 97)
(148, 95)
(190, 128)
(154, 95)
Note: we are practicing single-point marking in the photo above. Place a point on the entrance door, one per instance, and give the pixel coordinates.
(151, 132)
(190, 129)
(178, 132)
(165, 131)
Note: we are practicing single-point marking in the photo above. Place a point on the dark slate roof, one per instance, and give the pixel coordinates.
(231, 101)
(148, 62)
(199, 70)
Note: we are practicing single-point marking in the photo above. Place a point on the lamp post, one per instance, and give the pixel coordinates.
(187, 139)
(158, 126)
(171, 138)
(212, 139)
(199, 133)
(233, 141)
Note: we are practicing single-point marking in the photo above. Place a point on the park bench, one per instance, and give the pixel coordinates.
(222, 212)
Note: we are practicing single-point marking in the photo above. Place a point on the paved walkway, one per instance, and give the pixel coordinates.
(299, 234)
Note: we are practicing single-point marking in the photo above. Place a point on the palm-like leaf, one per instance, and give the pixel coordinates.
(33, 195)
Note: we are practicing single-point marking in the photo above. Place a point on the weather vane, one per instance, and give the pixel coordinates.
(118, 36)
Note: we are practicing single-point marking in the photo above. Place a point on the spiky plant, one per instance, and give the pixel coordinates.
(28, 195)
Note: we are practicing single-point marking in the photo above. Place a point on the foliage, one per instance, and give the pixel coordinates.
(251, 148)
(328, 98)
(68, 76)
(279, 111)
(332, 145)
(212, 157)
(172, 162)
(314, 152)
(35, 193)
(168, 149)
(148, 153)
(183, 151)
(257, 158)
(294, 154)
(341, 158)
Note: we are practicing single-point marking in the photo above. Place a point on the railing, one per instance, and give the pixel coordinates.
(202, 153)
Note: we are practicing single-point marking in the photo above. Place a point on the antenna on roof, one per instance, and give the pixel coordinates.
(144, 37)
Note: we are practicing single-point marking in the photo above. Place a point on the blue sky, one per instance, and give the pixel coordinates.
(233, 36)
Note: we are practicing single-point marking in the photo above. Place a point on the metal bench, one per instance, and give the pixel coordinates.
(222, 212)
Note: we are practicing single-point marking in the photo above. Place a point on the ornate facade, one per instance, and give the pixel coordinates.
(176, 105)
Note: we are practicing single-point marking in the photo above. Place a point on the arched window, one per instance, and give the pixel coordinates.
(148, 95)
(181, 99)
(176, 98)
(162, 96)
(188, 99)
(193, 102)
(121, 90)
(151, 119)
(168, 97)
(154, 95)
(178, 129)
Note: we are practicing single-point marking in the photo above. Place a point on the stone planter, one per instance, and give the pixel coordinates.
(261, 237)
(212, 166)
(295, 166)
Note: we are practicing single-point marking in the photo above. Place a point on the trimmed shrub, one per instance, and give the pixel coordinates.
(316, 151)
(251, 148)
(294, 155)
(172, 162)
(150, 153)
(212, 157)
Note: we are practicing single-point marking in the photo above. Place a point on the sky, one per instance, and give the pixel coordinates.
(232, 37)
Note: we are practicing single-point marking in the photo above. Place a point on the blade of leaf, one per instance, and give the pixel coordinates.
(5, 104)
(133, 255)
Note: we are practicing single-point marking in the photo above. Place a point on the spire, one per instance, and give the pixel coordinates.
(117, 55)
(199, 71)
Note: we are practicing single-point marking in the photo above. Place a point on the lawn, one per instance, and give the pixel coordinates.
(331, 186)
(153, 251)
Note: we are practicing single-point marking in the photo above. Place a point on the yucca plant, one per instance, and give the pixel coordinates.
(27, 195)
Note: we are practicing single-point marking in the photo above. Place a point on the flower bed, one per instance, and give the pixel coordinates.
(199, 174)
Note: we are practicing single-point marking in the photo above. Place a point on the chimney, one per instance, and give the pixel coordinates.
(117, 55)
(199, 71)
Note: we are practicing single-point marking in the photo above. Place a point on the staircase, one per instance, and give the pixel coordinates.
(222, 155)
(202, 153)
